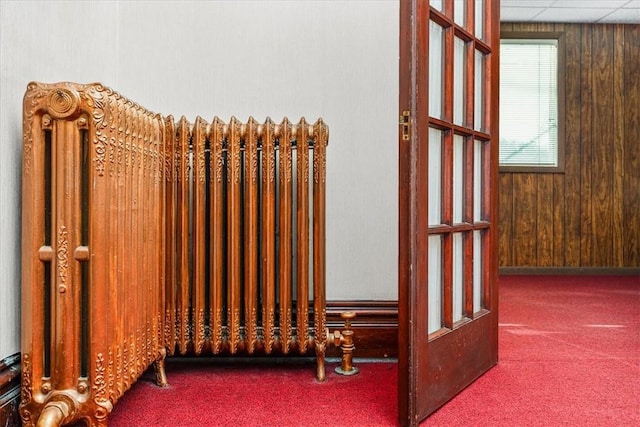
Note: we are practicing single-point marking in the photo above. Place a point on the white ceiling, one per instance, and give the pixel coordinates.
(583, 11)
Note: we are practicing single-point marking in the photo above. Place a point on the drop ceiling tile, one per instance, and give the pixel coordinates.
(526, 4)
(590, 4)
(572, 15)
(629, 16)
(519, 14)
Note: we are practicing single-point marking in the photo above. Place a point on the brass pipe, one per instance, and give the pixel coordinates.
(54, 414)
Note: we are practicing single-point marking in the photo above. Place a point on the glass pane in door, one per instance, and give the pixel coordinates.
(458, 178)
(437, 4)
(478, 96)
(459, 12)
(478, 284)
(436, 61)
(434, 292)
(458, 277)
(435, 176)
(459, 80)
(479, 15)
(477, 180)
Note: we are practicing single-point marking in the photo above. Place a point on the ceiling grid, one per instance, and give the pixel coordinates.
(583, 11)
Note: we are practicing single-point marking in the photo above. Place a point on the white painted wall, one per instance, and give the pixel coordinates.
(335, 59)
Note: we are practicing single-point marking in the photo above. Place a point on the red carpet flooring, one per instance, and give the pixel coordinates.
(569, 356)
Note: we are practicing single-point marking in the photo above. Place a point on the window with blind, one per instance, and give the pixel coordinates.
(531, 137)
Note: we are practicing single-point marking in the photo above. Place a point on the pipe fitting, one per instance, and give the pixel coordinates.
(344, 340)
(55, 413)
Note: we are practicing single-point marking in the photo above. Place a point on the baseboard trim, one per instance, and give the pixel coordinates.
(572, 271)
(375, 327)
(10, 390)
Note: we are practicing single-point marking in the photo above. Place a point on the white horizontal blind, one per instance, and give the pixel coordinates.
(529, 102)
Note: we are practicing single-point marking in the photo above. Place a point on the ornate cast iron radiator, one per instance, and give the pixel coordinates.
(144, 237)
(245, 259)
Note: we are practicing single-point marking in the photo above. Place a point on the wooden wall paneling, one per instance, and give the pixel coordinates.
(588, 216)
(530, 26)
(617, 222)
(546, 27)
(559, 209)
(505, 220)
(544, 221)
(558, 202)
(505, 203)
(524, 219)
(602, 140)
(631, 182)
(507, 26)
(586, 118)
(573, 134)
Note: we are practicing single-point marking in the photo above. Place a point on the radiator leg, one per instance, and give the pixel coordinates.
(161, 375)
(320, 352)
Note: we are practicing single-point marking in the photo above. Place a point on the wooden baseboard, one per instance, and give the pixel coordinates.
(572, 271)
(375, 327)
(10, 390)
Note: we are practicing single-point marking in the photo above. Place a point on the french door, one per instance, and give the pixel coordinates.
(447, 281)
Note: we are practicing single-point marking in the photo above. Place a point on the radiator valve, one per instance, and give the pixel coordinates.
(345, 341)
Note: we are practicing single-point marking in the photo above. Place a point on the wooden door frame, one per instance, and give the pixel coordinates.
(407, 253)
(411, 245)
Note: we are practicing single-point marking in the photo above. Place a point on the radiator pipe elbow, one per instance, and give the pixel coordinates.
(54, 414)
(61, 409)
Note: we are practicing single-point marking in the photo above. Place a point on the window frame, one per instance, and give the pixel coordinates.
(561, 66)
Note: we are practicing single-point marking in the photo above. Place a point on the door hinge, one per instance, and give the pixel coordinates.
(405, 121)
